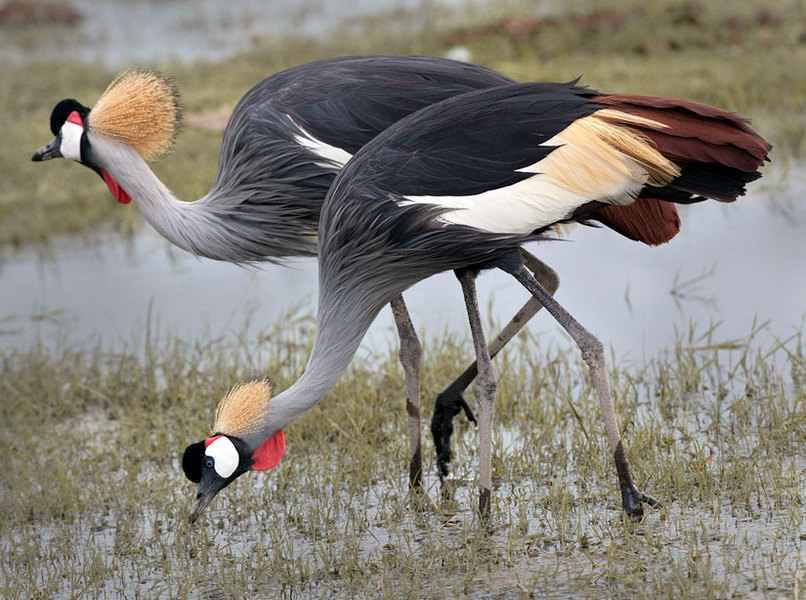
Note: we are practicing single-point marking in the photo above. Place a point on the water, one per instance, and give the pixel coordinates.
(117, 34)
(744, 262)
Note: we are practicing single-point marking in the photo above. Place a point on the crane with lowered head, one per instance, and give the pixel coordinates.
(460, 186)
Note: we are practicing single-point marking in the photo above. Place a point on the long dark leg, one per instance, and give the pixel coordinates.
(410, 355)
(451, 400)
(484, 390)
(593, 354)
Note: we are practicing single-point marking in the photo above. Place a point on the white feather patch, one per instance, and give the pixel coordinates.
(518, 208)
(226, 458)
(70, 146)
(330, 154)
(570, 176)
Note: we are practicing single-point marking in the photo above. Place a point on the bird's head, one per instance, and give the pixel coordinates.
(139, 108)
(220, 459)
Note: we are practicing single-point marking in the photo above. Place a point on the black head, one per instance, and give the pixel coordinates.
(214, 463)
(63, 109)
(68, 122)
(192, 461)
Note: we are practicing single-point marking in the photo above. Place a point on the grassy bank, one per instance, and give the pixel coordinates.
(738, 55)
(95, 505)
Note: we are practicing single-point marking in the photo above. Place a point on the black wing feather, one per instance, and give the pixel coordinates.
(264, 174)
(462, 146)
(348, 101)
(475, 142)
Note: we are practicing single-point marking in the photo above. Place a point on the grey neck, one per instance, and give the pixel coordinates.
(217, 226)
(329, 359)
(173, 219)
(344, 316)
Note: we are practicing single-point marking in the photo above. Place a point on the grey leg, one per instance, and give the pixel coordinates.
(484, 390)
(451, 401)
(410, 355)
(593, 354)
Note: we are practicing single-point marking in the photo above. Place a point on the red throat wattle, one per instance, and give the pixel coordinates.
(116, 190)
(269, 452)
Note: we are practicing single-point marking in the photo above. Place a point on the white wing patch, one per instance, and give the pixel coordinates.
(518, 208)
(329, 154)
(592, 160)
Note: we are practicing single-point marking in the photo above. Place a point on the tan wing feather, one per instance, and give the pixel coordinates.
(595, 155)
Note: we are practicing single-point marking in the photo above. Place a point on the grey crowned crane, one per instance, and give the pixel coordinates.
(285, 142)
(460, 185)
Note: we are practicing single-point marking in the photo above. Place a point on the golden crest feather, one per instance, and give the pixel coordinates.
(142, 109)
(243, 406)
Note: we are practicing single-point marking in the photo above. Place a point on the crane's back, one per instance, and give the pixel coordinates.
(291, 133)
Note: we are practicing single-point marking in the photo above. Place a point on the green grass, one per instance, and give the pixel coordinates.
(735, 55)
(95, 504)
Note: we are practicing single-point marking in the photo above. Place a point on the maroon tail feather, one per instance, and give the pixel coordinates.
(717, 151)
(646, 220)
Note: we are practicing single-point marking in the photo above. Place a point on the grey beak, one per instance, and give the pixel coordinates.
(48, 151)
(209, 486)
(203, 498)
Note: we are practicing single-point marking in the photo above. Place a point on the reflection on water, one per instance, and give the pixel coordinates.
(731, 265)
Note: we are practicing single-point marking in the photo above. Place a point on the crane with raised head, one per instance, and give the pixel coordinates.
(460, 186)
(285, 141)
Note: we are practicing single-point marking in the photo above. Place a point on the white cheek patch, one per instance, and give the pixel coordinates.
(226, 458)
(71, 141)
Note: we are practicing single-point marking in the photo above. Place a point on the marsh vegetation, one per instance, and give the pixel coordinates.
(94, 504)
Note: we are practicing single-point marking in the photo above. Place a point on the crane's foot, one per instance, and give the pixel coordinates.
(632, 501)
(449, 403)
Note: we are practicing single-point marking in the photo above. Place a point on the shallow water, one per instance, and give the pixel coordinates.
(732, 265)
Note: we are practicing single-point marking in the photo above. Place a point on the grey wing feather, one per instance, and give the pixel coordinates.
(270, 186)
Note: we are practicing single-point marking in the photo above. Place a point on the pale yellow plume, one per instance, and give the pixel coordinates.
(594, 155)
(140, 108)
(243, 407)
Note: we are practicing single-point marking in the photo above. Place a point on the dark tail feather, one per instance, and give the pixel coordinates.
(717, 151)
(720, 183)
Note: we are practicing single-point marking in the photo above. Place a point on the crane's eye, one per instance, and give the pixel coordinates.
(208, 462)
(222, 453)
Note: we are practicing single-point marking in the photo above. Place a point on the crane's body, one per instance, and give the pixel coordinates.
(461, 184)
(394, 216)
